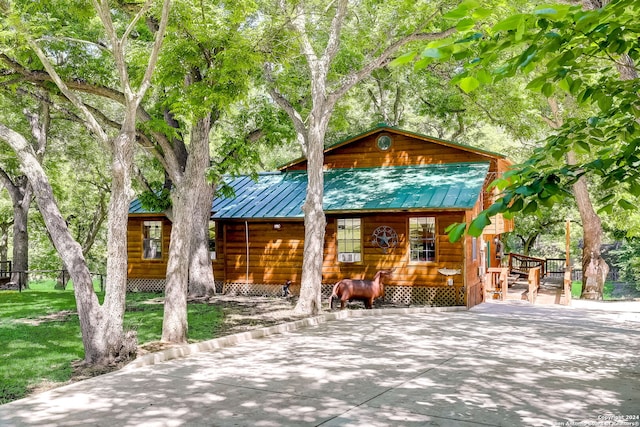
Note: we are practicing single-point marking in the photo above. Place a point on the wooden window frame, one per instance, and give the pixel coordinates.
(147, 224)
(342, 259)
(425, 240)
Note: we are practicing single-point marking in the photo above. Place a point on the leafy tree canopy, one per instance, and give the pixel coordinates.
(564, 51)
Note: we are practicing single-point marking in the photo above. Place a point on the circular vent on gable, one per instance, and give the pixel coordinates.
(384, 142)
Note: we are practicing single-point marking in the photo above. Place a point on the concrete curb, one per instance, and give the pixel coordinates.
(231, 340)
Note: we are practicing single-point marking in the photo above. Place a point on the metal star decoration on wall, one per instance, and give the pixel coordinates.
(385, 238)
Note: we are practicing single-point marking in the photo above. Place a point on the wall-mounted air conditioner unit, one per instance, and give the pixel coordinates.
(349, 257)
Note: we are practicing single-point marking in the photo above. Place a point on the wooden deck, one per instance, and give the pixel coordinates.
(550, 292)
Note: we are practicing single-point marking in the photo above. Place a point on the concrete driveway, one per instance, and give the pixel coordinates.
(500, 364)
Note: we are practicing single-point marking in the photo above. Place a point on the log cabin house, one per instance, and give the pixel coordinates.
(389, 196)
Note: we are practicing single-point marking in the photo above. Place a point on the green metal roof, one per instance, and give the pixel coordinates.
(281, 195)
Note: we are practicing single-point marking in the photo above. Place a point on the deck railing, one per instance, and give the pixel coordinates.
(521, 264)
(554, 267)
(551, 267)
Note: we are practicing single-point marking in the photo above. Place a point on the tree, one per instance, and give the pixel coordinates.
(101, 326)
(6, 221)
(334, 61)
(205, 68)
(583, 54)
(199, 75)
(20, 191)
(530, 228)
(594, 266)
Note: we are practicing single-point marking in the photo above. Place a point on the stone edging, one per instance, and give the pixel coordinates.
(231, 340)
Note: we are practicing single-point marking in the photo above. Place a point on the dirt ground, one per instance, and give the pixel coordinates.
(243, 313)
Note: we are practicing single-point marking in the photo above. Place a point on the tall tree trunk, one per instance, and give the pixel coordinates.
(594, 267)
(528, 243)
(20, 232)
(201, 279)
(69, 250)
(20, 193)
(185, 196)
(313, 133)
(4, 241)
(310, 301)
(102, 331)
(117, 218)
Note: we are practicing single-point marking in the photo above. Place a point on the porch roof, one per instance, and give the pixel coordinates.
(280, 195)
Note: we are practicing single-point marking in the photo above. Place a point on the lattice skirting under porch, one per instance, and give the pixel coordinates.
(156, 285)
(252, 289)
(439, 296)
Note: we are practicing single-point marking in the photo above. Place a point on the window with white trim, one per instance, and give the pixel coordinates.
(152, 240)
(422, 239)
(349, 240)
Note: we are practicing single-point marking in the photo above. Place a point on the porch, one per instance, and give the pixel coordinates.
(537, 280)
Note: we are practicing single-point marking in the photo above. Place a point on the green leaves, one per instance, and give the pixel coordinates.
(455, 231)
(479, 224)
(464, 9)
(468, 84)
(514, 22)
(404, 59)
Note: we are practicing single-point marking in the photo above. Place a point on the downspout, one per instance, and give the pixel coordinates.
(246, 233)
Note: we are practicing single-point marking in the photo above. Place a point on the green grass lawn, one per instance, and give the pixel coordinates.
(40, 333)
(576, 287)
(607, 293)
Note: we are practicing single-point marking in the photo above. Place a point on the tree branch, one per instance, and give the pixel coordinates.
(36, 76)
(298, 24)
(334, 33)
(117, 48)
(74, 40)
(11, 187)
(99, 215)
(92, 123)
(155, 52)
(385, 57)
(40, 127)
(39, 77)
(298, 122)
(460, 129)
(145, 7)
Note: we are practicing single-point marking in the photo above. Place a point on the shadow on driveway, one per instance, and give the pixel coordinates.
(499, 364)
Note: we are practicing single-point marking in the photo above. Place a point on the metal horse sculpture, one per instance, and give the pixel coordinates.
(359, 290)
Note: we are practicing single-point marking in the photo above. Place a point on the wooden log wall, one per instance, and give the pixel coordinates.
(407, 273)
(146, 268)
(219, 263)
(472, 273)
(276, 255)
(405, 151)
